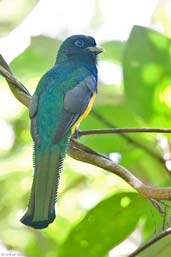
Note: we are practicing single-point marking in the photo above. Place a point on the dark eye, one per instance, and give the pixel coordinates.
(79, 43)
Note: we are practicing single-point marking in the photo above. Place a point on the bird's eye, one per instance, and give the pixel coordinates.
(79, 43)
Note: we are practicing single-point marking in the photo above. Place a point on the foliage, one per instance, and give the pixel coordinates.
(96, 210)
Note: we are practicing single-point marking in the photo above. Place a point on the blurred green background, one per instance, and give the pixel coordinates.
(99, 215)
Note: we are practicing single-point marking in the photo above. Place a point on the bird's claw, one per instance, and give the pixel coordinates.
(76, 134)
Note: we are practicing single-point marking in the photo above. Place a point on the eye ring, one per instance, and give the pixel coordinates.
(79, 43)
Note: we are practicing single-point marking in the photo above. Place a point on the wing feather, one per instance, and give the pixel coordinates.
(76, 101)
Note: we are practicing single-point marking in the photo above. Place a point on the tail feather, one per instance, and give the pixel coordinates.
(41, 207)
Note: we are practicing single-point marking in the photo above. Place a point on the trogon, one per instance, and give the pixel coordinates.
(63, 98)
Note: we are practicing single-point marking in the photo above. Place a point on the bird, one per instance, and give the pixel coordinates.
(63, 98)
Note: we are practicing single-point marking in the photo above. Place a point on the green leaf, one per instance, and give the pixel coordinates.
(105, 226)
(146, 65)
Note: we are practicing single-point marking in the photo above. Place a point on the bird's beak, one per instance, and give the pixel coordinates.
(95, 49)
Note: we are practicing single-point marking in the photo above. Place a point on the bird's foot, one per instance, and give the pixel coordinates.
(76, 134)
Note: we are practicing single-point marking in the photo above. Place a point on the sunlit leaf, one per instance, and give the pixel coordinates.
(146, 64)
(105, 226)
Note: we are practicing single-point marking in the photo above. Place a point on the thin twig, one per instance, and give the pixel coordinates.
(163, 234)
(122, 130)
(132, 141)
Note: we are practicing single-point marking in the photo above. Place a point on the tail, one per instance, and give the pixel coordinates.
(41, 208)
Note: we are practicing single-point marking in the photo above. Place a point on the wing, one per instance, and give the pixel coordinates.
(32, 112)
(75, 103)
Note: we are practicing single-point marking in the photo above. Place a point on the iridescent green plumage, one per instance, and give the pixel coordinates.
(61, 97)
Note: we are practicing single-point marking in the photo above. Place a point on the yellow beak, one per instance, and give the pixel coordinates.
(96, 49)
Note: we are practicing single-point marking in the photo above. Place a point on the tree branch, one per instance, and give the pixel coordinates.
(122, 130)
(163, 234)
(132, 141)
(83, 153)
(17, 88)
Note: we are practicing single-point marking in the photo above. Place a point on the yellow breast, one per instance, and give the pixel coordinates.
(84, 115)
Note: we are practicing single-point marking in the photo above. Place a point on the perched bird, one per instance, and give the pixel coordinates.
(63, 98)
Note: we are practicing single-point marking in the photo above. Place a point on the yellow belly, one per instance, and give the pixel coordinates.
(84, 115)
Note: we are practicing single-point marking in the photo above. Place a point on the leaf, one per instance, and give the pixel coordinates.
(104, 227)
(146, 65)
